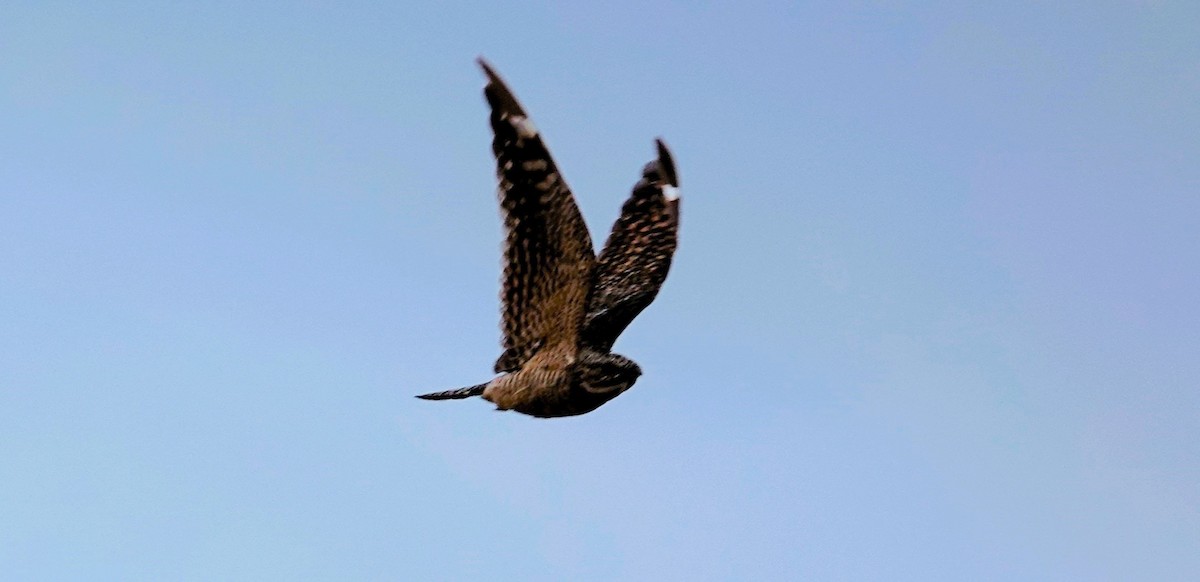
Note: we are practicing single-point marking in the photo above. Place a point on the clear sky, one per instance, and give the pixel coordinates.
(933, 316)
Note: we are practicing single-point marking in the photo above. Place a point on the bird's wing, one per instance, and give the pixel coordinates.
(548, 256)
(637, 256)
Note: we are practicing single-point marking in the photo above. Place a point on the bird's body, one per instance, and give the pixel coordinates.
(552, 384)
(563, 307)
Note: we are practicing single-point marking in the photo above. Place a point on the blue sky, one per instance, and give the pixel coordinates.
(933, 313)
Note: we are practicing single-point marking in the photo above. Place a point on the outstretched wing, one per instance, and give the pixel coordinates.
(637, 256)
(548, 254)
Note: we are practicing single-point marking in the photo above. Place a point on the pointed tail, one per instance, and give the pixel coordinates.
(456, 394)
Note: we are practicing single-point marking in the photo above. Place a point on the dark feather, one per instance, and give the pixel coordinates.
(635, 260)
(456, 394)
(548, 256)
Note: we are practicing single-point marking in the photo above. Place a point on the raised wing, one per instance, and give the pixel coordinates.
(637, 256)
(548, 256)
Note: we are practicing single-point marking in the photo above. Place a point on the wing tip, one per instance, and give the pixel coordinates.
(487, 69)
(666, 163)
(497, 92)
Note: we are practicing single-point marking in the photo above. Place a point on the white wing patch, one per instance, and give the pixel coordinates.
(524, 126)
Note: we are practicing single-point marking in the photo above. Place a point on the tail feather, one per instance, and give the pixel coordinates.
(456, 394)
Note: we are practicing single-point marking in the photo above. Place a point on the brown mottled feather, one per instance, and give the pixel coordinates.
(548, 256)
(562, 308)
(635, 260)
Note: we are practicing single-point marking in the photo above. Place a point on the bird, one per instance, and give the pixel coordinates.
(562, 306)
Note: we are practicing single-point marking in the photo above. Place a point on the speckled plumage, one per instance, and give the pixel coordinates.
(562, 307)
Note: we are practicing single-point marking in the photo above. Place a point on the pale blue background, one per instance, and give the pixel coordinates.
(934, 313)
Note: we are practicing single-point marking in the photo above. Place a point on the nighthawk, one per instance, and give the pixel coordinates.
(562, 306)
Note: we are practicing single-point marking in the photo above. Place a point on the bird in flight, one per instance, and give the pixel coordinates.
(562, 306)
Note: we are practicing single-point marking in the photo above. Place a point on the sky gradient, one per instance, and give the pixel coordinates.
(933, 314)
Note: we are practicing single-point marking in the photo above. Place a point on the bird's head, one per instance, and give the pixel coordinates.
(602, 373)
